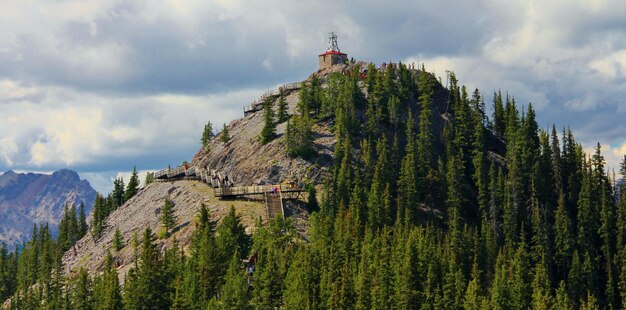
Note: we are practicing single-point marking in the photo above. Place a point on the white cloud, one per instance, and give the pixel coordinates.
(103, 85)
(69, 128)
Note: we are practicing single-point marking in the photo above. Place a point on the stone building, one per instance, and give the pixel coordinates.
(332, 56)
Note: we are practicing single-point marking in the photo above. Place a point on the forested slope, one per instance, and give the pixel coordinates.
(428, 202)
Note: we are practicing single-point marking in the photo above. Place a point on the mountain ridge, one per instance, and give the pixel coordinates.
(33, 198)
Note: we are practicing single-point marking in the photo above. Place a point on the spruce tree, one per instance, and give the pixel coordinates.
(118, 192)
(268, 133)
(232, 237)
(82, 291)
(225, 134)
(82, 222)
(107, 294)
(207, 136)
(312, 204)
(235, 292)
(150, 283)
(149, 178)
(282, 114)
(118, 242)
(133, 185)
(168, 219)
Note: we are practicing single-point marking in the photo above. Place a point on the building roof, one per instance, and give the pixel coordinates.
(333, 53)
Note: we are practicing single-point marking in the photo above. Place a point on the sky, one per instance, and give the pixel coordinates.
(102, 86)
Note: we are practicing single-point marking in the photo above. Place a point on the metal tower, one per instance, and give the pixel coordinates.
(332, 43)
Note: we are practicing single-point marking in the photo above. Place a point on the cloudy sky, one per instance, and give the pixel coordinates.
(100, 86)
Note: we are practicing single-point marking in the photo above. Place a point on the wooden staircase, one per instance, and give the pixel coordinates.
(274, 204)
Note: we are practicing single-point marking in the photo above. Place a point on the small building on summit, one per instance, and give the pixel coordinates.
(332, 56)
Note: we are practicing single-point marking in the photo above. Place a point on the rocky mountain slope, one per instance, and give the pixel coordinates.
(246, 162)
(144, 210)
(27, 199)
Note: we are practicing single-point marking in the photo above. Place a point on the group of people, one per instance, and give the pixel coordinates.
(294, 185)
(223, 182)
(290, 185)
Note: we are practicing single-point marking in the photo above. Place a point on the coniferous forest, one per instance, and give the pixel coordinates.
(435, 200)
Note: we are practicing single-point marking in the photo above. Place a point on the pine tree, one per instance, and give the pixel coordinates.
(235, 292)
(541, 296)
(82, 297)
(107, 294)
(149, 283)
(232, 237)
(499, 122)
(299, 137)
(282, 114)
(302, 282)
(207, 136)
(268, 284)
(118, 242)
(225, 134)
(564, 244)
(312, 204)
(168, 219)
(268, 133)
(149, 178)
(133, 185)
(472, 299)
(118, 192)
(407, 182)
(82, 222)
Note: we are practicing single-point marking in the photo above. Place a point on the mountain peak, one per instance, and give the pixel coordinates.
(34, 198)
(66, 173)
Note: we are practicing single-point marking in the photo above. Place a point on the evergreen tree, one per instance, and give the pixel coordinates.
(118, 242)
(107, 294)
(541, 296)
(207, 136)
(225, 134)
(235, 292)
(302, 282)
(118, 192)
(168, 219)
(82, 222)
(282, 114)
(312, 204)
(133, 185)
(268, 133)
(149, 178)
(299, 137)
(82, 297)
(232, 237)
(499, 122)
(148, 283)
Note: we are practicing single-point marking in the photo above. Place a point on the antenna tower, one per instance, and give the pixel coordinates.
(332, 43)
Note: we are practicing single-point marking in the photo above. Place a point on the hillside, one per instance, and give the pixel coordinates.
(27, 199)
(143, 211)
(247, 161)
(424, 201)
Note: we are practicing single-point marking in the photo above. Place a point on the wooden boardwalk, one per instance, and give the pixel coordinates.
(274, 195)
(257, 105)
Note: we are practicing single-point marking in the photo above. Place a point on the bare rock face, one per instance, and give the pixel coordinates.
(143, 211)
(27, 199)
(247, 162)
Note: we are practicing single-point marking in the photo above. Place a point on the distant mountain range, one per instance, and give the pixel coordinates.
(31, 198)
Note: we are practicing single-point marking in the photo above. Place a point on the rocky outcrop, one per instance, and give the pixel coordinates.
(27, 199)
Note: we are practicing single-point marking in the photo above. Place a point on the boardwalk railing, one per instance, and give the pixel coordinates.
(257, 105)
(287, 192)
(222, 187)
